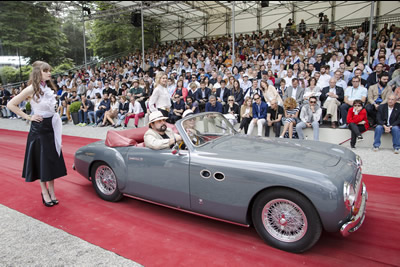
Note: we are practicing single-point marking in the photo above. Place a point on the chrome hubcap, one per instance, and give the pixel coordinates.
(284, 220)
(105, 180)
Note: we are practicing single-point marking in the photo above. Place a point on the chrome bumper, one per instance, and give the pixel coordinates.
(356, 220)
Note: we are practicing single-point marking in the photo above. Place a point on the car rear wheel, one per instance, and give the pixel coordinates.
(105, 182)
(287, 220)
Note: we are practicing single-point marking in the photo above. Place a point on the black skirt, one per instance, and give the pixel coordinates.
(41, 158)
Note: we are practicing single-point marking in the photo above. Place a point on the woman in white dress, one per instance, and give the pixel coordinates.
(43, 157)
(160, 99)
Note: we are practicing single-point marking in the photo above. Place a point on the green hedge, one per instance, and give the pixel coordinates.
(74, 107)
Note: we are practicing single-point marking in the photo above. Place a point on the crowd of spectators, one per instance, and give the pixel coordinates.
(288, 78)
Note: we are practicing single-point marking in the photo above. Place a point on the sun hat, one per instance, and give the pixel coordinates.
(187, 113)
(156, 116)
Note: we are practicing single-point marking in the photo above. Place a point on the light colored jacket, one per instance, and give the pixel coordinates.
(154, 140)
(306, 114)
(299, 94)
(373, 93)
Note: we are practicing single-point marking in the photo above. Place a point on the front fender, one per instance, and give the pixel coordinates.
(86, 156)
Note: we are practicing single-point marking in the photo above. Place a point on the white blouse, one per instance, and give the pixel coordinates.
(159, 99)
(45, 106)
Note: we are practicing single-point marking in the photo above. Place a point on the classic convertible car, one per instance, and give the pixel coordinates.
(289, 190)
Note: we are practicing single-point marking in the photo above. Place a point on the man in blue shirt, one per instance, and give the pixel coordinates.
(259, 115)
(213, 104)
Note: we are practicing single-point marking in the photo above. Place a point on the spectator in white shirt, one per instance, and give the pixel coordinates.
(324, 78)
(334, 64)
(135, 111)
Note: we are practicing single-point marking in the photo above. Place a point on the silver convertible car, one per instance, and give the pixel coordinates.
(289, 190)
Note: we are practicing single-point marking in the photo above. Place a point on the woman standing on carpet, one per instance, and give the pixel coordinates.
(43, 156)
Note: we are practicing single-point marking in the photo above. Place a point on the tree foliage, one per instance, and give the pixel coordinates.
(74, 34)
(32, 30)
(11, 75)
(113, 35)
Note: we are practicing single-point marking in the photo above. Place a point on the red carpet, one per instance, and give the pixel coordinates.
(153, 235)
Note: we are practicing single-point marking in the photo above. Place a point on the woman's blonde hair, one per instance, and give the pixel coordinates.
(290, 103)
(159, 75)
(247, 99)
(36, 77)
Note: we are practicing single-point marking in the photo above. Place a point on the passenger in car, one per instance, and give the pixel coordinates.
(190, 127)
(158, 136)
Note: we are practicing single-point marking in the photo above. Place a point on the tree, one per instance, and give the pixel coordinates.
(74, 33)
(114, 35)
(30, 28)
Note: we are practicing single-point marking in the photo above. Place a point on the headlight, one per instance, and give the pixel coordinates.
(349, 195)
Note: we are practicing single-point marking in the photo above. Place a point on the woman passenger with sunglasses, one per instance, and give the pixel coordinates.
(358, 122)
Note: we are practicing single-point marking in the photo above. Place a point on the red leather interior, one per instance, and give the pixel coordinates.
(130, 137)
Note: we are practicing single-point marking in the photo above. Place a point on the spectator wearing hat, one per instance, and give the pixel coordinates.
(135, 90)
(245, 83)
(158, 136)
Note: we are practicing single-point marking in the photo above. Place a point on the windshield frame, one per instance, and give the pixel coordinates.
(200, 118)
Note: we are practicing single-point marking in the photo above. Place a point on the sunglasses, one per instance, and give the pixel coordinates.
(230, 100)
(313, 102)
(256, 98)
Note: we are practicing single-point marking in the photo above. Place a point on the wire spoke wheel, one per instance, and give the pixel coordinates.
(106, 180)
(284, 220)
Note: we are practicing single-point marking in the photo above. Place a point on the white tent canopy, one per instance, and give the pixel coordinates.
(196, 19)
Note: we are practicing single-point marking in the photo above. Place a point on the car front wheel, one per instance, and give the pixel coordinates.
(287, 220)
(105, 182)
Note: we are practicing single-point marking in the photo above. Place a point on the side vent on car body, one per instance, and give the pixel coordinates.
(205, 174)
(219, 176)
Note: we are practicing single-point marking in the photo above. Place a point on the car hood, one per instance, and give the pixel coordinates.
(299, 153)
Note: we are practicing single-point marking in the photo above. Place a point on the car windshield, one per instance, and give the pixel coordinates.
(206, 127)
